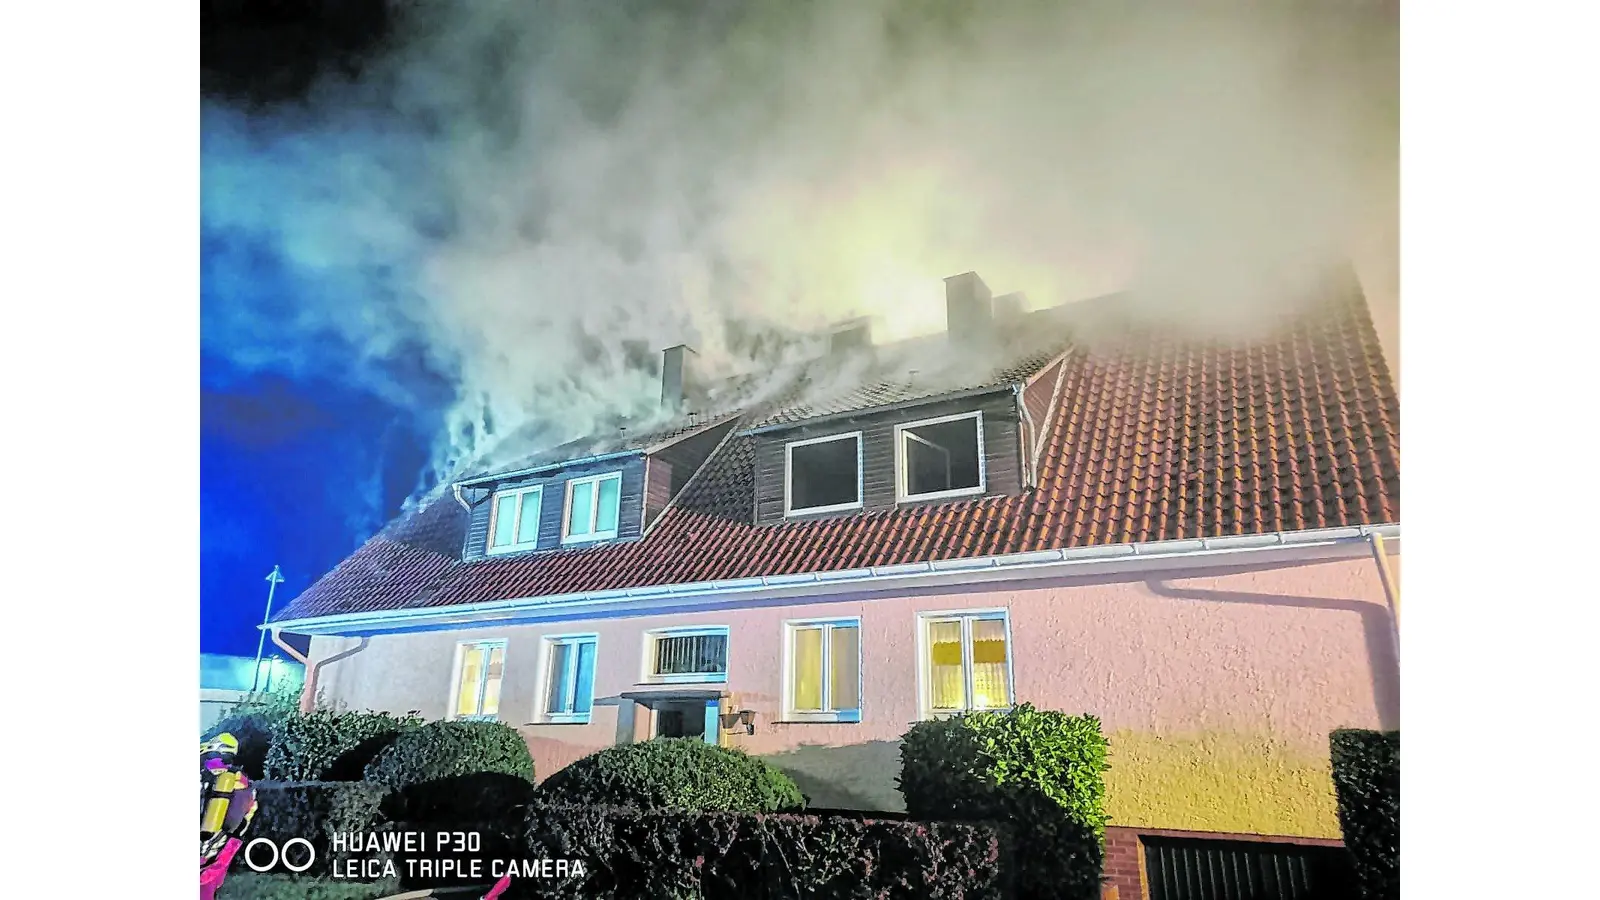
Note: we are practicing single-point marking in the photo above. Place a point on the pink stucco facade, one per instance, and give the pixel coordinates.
(1217, 686)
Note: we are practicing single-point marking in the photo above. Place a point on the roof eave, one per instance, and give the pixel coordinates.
(1119, 559)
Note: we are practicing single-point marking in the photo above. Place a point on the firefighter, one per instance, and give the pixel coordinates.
(227, 804)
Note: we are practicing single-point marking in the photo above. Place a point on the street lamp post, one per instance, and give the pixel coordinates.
(273, 580)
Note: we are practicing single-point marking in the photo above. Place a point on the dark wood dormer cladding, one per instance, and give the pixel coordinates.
(879, 474)
(553, 504)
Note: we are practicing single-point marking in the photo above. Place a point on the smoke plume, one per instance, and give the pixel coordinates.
(516, 194)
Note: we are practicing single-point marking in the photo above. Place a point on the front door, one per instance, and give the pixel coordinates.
(687, 719)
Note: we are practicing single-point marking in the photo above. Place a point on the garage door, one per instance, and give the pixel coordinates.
(1190, 869)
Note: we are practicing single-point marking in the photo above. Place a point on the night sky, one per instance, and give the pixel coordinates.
(297, 467)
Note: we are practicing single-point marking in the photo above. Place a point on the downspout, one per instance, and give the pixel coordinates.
(1391, 591)
(1028, 477)
(456, 489)
(308, 694)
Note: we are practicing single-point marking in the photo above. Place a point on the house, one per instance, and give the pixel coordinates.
(226, 681)
(1194, 539)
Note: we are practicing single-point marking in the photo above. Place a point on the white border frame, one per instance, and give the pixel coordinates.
(594, 510)
(541, 712)
(494, 510)
(647, 660)
(455, 680)
(900, 437)
(845, 716)
(925, 708)
(788, 475)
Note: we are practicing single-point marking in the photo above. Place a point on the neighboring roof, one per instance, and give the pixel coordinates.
(238, 673)
(1156, 438)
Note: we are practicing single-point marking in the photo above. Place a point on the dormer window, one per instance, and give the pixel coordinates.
(593, 506)
(514, 520)
(940, 458)
(823, 474)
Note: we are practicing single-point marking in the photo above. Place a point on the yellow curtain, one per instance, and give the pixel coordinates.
(467, 690)
(989, 682)
(808, 669)
(947, 687)
(491, 687)
(846, 660)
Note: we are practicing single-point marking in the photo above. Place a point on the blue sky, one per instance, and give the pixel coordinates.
(297, 468)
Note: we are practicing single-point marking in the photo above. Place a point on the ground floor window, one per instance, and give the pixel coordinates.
(569, 678)
(479, 667)
(687, 654)
(824, 670)
(966, 662)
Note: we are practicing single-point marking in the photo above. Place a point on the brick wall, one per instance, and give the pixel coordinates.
(1124, 861)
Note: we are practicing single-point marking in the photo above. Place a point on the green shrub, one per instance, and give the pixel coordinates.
(1366, 780)
(331, 746)
(1040, 771)
(674, 773)
(253, 721)
(315, 811)
(260, 886)
(444, 771)
(631, 853)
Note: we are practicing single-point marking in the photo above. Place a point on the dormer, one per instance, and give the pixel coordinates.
(947, 418)
(600, 489)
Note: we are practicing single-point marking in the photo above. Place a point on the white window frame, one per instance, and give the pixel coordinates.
(902, 434)
(516, 523)
(827, 714)
(647, 667)
(592, 482)
(546, 664)
(925, 660)
(788, 476)
(483, 683)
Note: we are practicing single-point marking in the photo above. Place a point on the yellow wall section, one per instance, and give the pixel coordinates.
(1214, 781)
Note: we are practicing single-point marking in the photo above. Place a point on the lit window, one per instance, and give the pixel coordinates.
(592, 508)
(478, 679)
(966, 662)
(688, 654)
(514, 520)
(941, 457)
(825, 671)
(823, 474)
(569, 680)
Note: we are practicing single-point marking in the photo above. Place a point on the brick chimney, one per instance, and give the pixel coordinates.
(677, 375)
(969, 316)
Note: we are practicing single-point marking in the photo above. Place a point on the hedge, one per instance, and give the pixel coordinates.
(315, 811)
(674, 773)
(631, 853)
(1366, 780)
(445, 771)
(1039, 771)
(259, 886)
(331, 746)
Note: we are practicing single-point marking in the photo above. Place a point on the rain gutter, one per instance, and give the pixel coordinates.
(1257, 549)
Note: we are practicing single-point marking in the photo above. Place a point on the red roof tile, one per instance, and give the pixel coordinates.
(1155, 438)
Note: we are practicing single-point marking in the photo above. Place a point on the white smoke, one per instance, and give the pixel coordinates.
(517, 192)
